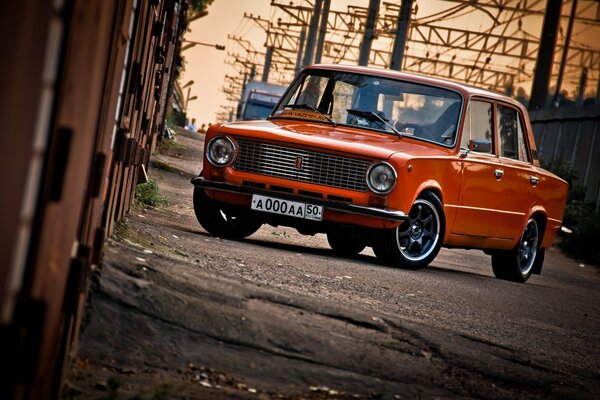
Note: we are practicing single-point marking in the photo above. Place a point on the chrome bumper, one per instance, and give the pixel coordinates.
(391, 215)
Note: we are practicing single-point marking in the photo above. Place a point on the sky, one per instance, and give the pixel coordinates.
(206, 65)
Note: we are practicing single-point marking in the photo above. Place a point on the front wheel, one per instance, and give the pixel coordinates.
(221, 221)
(417, 241)
(517, 264)
(345, 243)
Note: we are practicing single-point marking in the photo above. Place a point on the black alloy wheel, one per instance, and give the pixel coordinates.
(222, 221)
(416, 242)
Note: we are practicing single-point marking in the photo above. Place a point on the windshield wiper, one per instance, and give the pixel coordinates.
(373, 116)
(312, 108)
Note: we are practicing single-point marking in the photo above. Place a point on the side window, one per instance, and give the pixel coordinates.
(512, 139)
(478, 124)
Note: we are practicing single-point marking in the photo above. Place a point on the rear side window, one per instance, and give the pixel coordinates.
(511, 134)
(478, 124)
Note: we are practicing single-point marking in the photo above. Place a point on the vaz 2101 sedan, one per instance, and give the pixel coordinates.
(404, 164)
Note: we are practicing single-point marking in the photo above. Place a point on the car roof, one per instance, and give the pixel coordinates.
(465, 90)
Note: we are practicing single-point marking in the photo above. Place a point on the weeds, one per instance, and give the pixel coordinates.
(124, 232)
(581, 217)
(163, 166)
(175, 118)
(169, 146)
(148, 195)
(584, 221)
(122, 228)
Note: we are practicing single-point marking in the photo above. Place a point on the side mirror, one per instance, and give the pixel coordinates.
(478, 146)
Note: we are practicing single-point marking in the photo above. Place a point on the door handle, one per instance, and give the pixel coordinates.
(534, 180)
(499, 173)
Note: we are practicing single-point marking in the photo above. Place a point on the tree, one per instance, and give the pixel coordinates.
(198, 9)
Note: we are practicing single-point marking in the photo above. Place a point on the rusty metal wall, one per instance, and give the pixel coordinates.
(83, 99)
(571, 134)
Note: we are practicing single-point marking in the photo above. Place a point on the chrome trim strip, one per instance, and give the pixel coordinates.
(483, 209)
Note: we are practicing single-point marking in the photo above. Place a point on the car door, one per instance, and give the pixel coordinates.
(519, 175)
(477, 212)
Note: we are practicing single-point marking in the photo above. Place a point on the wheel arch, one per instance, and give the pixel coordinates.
(430, 186)
(540, 216)
(437, 191)
(390, 249)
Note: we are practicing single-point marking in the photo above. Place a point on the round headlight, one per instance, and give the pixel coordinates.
(221, 151)
(381, 178)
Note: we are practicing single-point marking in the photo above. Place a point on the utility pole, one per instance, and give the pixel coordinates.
(267, 67)
(312, 34)
(401, 34)
(543, 67)
(365, 47)
(565, 52)
(322, 30)
(300, 48)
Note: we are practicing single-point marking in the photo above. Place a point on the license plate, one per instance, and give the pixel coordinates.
(287, 207)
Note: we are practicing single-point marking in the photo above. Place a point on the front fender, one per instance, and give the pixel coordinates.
(438, 174)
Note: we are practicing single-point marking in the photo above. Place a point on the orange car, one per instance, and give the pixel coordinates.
(399, 162)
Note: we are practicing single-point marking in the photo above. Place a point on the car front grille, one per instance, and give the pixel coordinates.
(302, 165)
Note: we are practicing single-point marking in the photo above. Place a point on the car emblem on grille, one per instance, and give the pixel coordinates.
(299, 162)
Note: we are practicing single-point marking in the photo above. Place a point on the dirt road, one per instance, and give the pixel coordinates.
(177, 313)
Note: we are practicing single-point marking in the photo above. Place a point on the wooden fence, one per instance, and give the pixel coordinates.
(85, 86)
(571, 134)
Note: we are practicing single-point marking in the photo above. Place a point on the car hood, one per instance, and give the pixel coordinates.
(340, 139)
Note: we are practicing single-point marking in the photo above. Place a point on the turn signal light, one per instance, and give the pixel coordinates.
(217, 174)
(378, 201)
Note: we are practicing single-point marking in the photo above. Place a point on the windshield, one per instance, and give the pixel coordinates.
(385, 105)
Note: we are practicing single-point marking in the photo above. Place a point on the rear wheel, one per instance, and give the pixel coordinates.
(417, 241)
(517, 264)
(221, 221)
(345, 243)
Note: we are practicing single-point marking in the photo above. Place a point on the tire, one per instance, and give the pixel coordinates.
(220, 221)
(518, 264)
(417, 241)
(346, 244)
